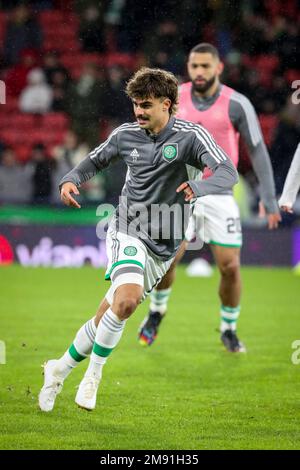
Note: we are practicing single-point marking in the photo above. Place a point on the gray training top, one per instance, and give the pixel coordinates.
(244, 119)
(157, 165)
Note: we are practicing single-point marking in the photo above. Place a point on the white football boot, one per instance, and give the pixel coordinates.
(52, 386)
(86, 396)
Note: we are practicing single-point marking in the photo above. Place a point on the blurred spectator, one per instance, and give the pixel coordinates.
(84, 104)
(91, 30)
(37, 96)
(42, 168)
(116, 105)
(2, 148)
(70, 152)
(286, 139)
(287, 45)
(164, 48)
(251, 37)
(15, 180)
(59, 89)
(52, 66)
(16, 77)
(22, 32)
(66, 156)
(58, 77)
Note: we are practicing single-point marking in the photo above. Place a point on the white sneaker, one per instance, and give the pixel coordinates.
(52, 386)
(87, 393)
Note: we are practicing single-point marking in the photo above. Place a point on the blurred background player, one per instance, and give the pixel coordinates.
(226, 114)
(291, 185)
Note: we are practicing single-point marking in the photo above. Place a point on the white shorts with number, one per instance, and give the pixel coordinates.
(130, 262)
(216, 220)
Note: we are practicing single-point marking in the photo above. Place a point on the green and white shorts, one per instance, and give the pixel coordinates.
(216, 220)
(130, 262)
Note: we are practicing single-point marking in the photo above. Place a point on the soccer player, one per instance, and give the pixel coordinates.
(161, 153)
(291, 185)
(226, 114)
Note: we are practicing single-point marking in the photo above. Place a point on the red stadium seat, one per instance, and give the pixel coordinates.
(4, 121)
(92, 57)
(44, 136)
(124, 60)
(70, 45)
(3, 22)
(269, 123)
(3, 17)
(11, 105)
(75, 71)
(69, 60)
(56, 121)
(73, 21)
(267, 62)
(14, 137)
(63, 31)
(50, 16)
(23, 152)
(22, 121)
(291, 75)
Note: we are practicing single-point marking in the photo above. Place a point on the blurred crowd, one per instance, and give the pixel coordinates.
(73, 58)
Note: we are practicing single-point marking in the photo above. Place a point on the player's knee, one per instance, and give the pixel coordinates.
(126, 306)
(230, 268)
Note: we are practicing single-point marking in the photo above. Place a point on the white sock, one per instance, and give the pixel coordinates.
(80, 348)
(159, 300)
(229, 317)
(108, 335)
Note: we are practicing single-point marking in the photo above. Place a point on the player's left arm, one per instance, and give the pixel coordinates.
(244, 119)
(206, 152)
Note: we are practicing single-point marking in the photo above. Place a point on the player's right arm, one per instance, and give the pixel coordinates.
(244, 119)
(291, 185)
(98, 159)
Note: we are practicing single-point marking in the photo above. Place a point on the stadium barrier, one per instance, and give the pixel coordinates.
(75, 246)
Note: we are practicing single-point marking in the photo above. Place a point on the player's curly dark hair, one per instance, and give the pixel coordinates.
(154, 83)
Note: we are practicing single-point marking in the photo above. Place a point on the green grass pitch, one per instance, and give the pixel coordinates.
(184, 392)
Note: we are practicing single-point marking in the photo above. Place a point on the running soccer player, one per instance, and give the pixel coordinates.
(226, 114)
(291, 185)
(162, 154)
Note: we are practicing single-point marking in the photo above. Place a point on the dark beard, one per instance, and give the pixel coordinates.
(206, 86)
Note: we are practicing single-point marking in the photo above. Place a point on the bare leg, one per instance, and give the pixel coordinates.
(109, 332)
(159, 300)
(228, 262)
(169, 277)
(104, 305)
(126, 299)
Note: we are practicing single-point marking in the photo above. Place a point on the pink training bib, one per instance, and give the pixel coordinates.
(215, 119)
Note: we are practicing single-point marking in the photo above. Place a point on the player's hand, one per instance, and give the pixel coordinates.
(273, 219)
(287, 209)
(189, 193)
(65, 195)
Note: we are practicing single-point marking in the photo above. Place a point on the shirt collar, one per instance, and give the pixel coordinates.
(164, 132)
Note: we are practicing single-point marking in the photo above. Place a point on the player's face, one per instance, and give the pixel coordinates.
(204, 70)
(151, 114)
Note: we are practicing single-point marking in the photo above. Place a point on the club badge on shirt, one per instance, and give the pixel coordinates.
(170, 151)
